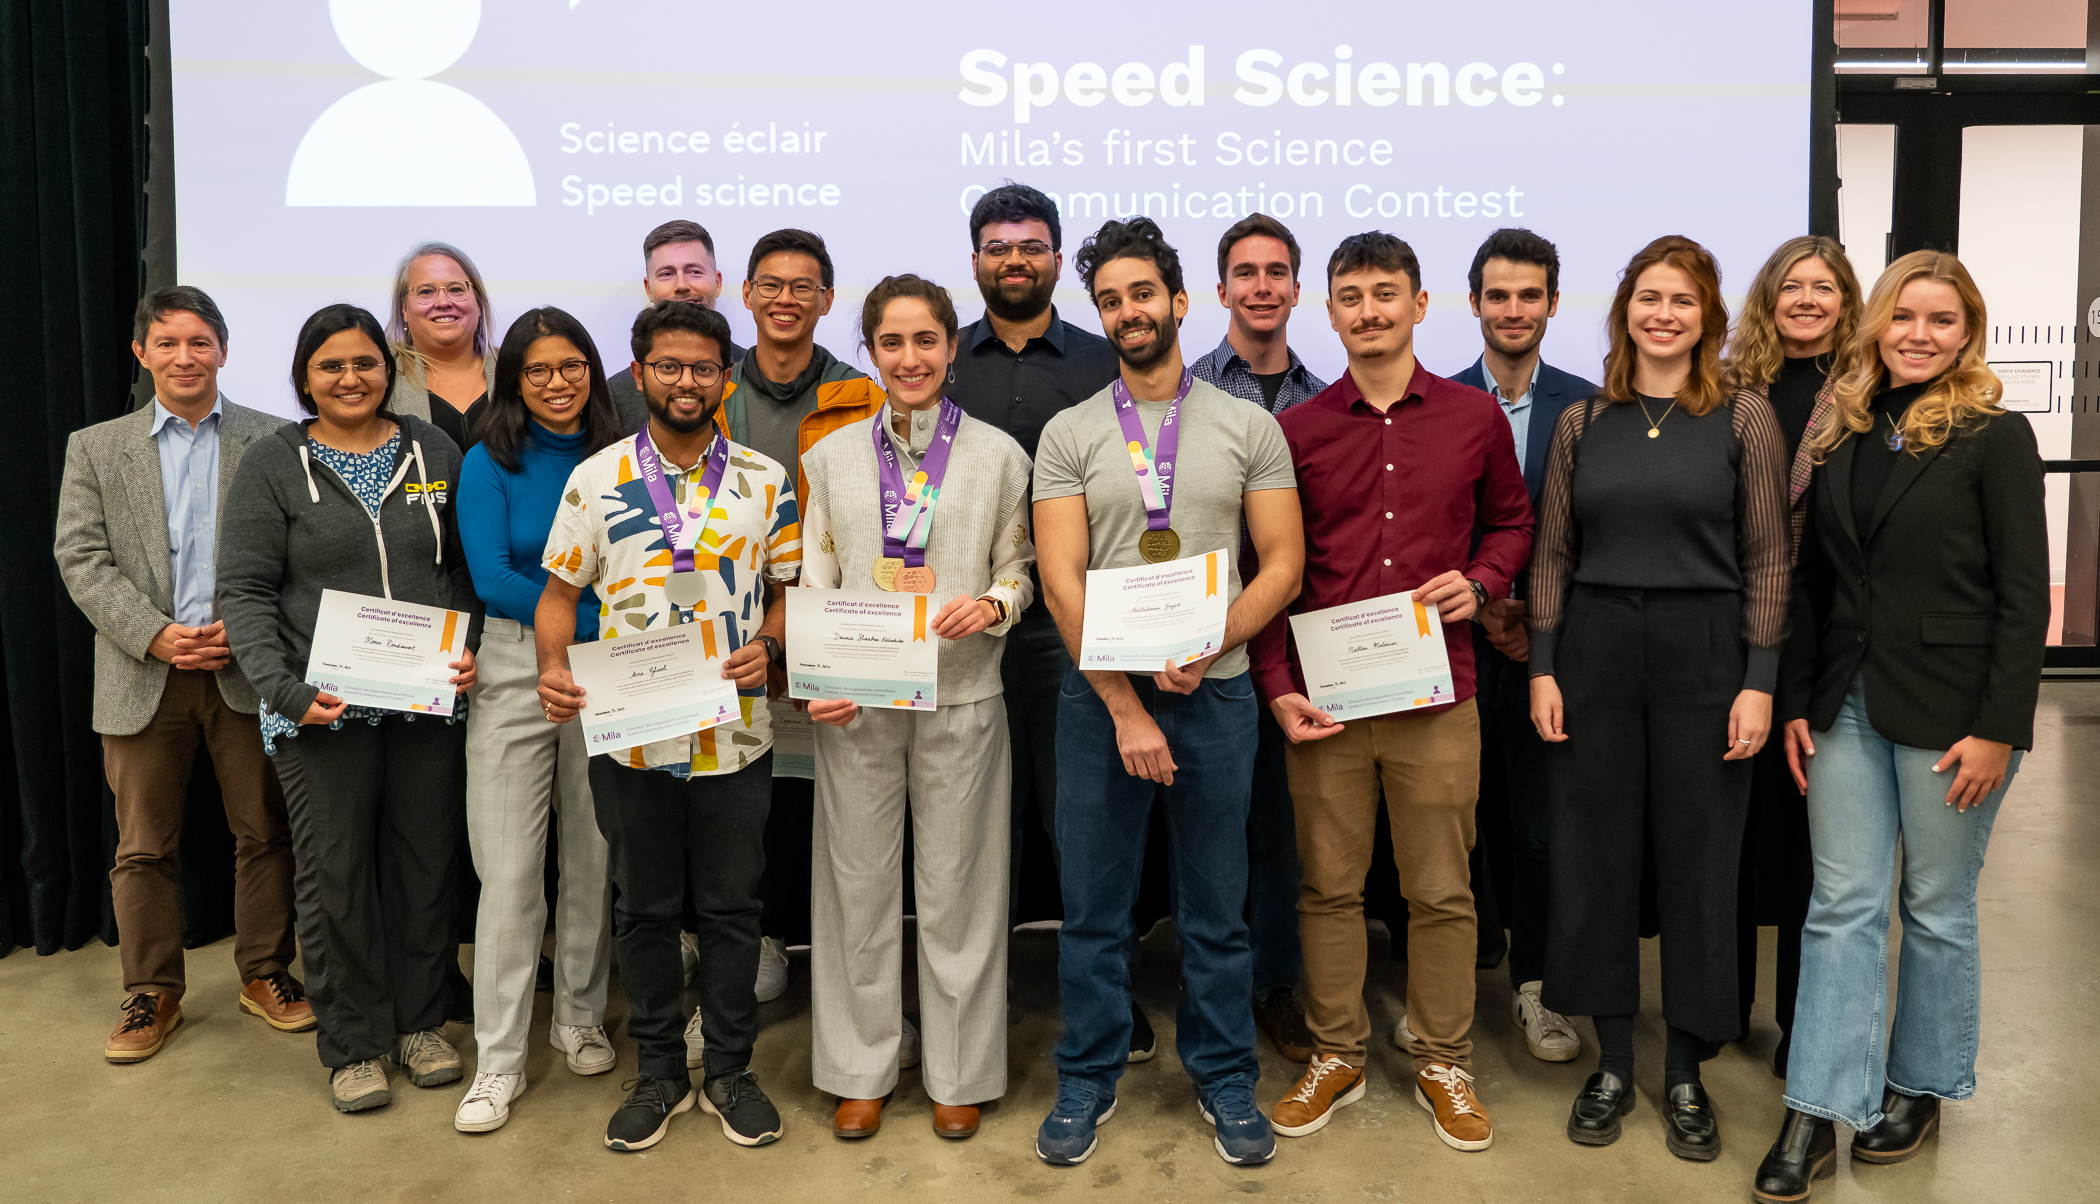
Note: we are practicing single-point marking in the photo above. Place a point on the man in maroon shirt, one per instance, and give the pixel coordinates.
(1397, 468)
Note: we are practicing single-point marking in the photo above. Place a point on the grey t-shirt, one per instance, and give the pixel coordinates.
(1228, 447)
(775, 429)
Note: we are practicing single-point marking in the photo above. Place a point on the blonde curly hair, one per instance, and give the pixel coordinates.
(1967, 391)
(1755, 353)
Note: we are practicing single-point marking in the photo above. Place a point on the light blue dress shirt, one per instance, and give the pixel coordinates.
(1518, 412)
(189, 486)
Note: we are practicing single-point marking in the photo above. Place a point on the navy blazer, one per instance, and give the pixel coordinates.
(1552, 391)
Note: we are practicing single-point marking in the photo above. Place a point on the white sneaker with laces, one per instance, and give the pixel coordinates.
(695, 1043)
(1404, 1038)
(772, 969)
(908, 1046)
(1551, 1037)
(487, 1104)
(586, 1044)
(689, 956)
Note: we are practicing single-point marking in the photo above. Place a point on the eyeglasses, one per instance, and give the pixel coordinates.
(425, 294)
(769, 287)
(363, 365)
(1032, 249)
(572, 371)
(671, 371)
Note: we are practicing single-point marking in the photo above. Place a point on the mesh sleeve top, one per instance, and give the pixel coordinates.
(1700, 505)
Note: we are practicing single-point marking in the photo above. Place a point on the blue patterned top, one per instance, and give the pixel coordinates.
(367, 475)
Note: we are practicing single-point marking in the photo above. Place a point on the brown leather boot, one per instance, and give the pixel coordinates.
(857, 1118)
(149, 1017)
(280, 1000)
(955, 1121)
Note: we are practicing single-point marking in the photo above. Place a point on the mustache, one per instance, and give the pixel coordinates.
(1370, 326)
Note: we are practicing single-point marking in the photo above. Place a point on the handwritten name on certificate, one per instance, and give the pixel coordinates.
(876, 649)
(1137, 619)
(397, 656)
(653, 686)
(1374, 657)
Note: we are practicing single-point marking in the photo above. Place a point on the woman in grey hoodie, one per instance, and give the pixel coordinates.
(355, 499)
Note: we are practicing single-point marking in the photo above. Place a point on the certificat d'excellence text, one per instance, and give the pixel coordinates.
(1374, 657)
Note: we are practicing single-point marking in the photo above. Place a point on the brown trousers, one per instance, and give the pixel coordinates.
(1429, 768)
(149, 772)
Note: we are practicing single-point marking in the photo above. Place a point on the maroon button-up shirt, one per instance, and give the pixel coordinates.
(1392, 500)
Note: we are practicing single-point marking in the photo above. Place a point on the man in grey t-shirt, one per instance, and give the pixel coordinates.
(1182, 738)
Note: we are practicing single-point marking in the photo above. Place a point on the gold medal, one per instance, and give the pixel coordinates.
(1158, 547)
(915, 580)
(886, 570)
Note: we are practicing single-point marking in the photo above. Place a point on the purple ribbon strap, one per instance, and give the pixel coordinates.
(1153, 465)
(667, 507)
(907, 505)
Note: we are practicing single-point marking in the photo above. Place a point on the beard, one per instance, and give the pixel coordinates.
(1530, 339)
(660, 409)
(1016, 302)
(1150, 355)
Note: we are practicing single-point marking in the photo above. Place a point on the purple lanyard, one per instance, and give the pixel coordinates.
(667, 507)
(1155, 465)
(907, 506)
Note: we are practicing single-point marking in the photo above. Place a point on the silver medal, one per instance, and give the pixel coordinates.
(684, 589)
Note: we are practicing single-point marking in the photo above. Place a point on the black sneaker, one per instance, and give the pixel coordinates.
(1142, 1043)
(748, 1117)
(646, 1115)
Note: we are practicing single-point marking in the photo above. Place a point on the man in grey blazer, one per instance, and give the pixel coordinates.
(136, 544)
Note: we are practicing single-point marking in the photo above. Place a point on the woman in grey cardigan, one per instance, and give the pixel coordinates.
(950, 763)
(354, 499)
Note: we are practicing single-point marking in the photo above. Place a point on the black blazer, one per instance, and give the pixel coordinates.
(1942, 603)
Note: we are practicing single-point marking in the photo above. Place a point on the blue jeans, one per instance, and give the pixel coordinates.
(1102, 816)
(1864, 793)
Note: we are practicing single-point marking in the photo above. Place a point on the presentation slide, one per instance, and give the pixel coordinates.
(317, 141)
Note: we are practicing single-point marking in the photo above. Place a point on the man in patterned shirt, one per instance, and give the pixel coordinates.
(688, 811)
(1258, 284)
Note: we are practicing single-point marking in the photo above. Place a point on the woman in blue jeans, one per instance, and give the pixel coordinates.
(1921, 606)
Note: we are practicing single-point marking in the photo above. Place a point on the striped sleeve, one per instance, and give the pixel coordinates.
(1764, 534)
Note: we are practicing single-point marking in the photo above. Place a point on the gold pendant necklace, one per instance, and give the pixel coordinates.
(1654, 424)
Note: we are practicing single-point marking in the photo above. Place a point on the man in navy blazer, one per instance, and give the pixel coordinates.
(1515, 287)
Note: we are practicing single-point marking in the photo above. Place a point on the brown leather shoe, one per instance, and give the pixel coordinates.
(857, 1118)
(280, 1000)
(148, 1019)
(955, 1121)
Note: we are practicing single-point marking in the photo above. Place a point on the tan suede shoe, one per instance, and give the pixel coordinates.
(857, 1118)
(1446, 1092)
(149, 1017)
(280, 1000)
(1327, 1085)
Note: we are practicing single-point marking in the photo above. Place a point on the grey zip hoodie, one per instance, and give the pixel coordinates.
(292, 528)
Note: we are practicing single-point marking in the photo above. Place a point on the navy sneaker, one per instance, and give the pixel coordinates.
(1067, 1135)
(1244, 1137)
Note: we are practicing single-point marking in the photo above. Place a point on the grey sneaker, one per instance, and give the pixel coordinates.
(359, 1086)
(695, 1042)
(586, 1044)
(428, 1059)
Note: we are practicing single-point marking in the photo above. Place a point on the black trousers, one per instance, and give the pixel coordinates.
(666, 835)
(1778, 876)
(373, 837)
(1647, 679)
(1513, 757)
(790, 832)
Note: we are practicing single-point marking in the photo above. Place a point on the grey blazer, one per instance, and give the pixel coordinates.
(412, 396)
(112, 552)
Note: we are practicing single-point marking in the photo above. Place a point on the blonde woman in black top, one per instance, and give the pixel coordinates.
(1658, 600)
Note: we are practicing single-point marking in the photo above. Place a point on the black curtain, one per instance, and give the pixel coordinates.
(74, 144)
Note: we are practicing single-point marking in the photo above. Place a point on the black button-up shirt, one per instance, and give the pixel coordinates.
(1020, 391)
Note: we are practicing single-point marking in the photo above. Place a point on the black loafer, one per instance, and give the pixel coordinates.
(1806, 1150)
(1689, 1126)
(1906, 1121)
(1595, 1118)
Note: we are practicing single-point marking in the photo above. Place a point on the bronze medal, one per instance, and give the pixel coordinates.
(886, 570)
(1158, 547)
(917, 580)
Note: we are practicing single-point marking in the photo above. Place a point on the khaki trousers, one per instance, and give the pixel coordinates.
(1429, 769)
(149, 772)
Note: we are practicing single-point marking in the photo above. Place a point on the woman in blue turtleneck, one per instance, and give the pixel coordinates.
(549, 411)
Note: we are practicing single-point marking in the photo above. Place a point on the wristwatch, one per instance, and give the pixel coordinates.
(1480, 595)
(998, 608)
(774, 652)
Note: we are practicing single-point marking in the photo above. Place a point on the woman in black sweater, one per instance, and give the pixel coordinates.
(1920, 609)
(1658, 601)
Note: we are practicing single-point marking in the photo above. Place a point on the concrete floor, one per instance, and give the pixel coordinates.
(232, 1111)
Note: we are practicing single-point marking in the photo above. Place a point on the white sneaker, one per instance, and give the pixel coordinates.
(1404, 1038)
(772, 969)
(908, 1046)
(689, 955)
(1551, 1037)
(589, 1051)
(695, 1044)
(487, 1104)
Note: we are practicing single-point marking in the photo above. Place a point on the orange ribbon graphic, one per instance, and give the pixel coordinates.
(918, 618)
(1421, 619)
(707, 640)
(451, 624)
(1210, 575)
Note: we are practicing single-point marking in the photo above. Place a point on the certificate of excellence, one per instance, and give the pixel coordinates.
(1140, 618)
(876, 649)
(653, 686)
(396, 656)
(1374, 657)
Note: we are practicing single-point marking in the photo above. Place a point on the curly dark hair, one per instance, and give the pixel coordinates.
(1138, 238)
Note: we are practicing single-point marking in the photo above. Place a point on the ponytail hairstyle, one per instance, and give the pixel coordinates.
(1962, 394)
(1703, 390)
(893, 288)
(1755, 353)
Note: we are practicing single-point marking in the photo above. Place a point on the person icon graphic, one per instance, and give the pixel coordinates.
(478, 161)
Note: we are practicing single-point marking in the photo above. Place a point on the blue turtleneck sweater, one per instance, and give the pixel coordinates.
(503, 522)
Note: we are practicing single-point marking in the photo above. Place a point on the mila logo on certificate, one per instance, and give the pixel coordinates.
(396, 656)
(1374, 657)
(658, 685)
